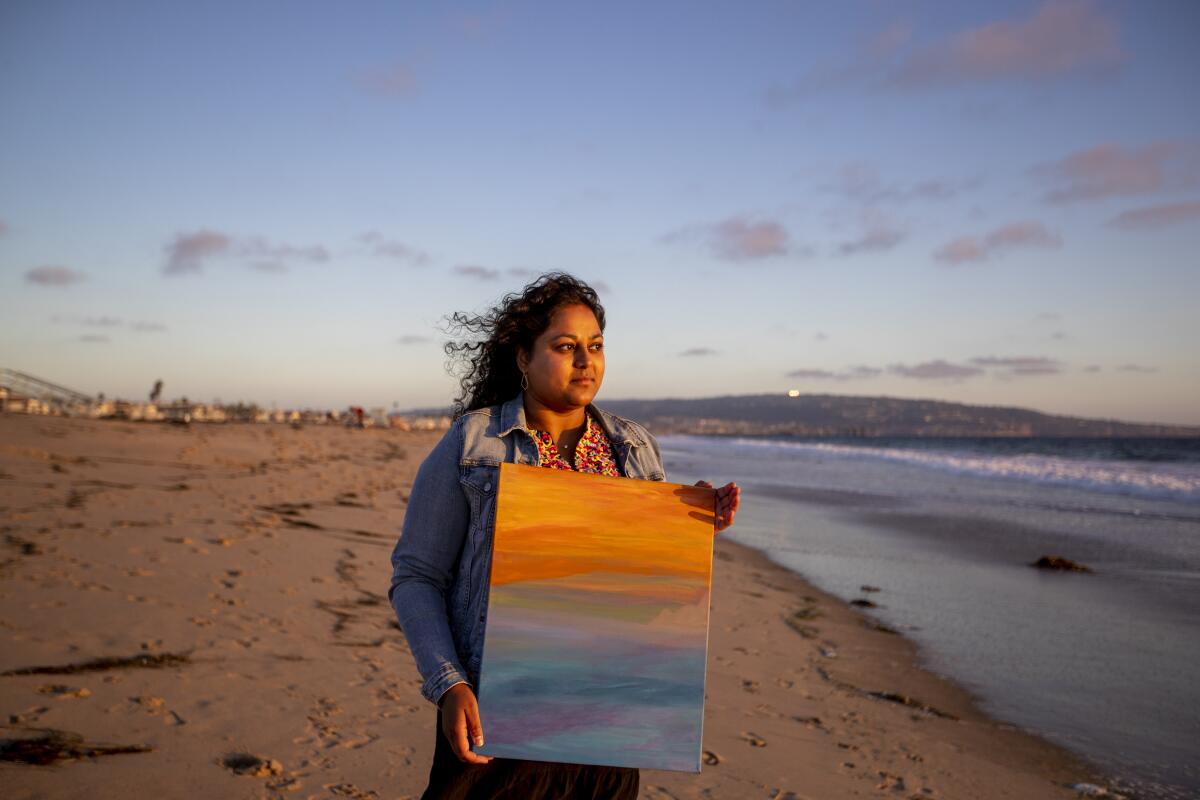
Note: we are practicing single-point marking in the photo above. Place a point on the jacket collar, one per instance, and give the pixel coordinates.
(512, 417)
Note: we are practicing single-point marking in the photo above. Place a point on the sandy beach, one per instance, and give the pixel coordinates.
(210, 602)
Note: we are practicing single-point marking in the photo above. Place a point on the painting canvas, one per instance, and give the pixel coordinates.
(597, 626)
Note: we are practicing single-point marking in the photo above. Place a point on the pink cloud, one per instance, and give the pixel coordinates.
(1156, 216)
(188, 251)
(1022, 234)
(960, 251)
(1018, 234)
(54, 276)
(3, 227)
(1110, 170)
(737, 239)
(1062, 37)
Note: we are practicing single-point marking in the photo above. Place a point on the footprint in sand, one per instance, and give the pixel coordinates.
(351, 791)
(64, 692)
(890, 782)
(753, 740)
(711, 758)
(28, 715)
(251, 765)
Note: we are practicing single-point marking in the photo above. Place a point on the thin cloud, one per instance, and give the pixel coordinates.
(1140, 368)
(383, 247)
(1111, 170)
(3, 227)
(849, 374)
(696, 352)
(188, 251)
(412, 338)
(861, 183)
(1153, 217)
(1048, 316)
(998, 241)
(935, 371)
(102, 322)
(1092, 368)
(91, 322)
(258, 247)
(477, 272)
(394, 81)
(93, 338)
(1021, 365)
(878, 235)
(737, 239)
(1060, 39)
(821, 336)
(54, 276)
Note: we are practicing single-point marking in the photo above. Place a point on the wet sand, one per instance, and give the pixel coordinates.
(201, 611)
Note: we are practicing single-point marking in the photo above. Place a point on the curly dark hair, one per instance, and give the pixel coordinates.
(486, 345)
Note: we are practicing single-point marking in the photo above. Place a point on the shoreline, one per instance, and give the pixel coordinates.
(927, 736)
(260, 556)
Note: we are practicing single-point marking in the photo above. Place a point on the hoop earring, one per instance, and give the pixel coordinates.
(524, 382)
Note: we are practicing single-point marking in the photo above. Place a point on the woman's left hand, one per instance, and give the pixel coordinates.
(729, 497)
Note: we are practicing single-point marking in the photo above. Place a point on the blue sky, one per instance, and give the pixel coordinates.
(277, 202)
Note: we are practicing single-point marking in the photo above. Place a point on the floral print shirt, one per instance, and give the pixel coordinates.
(593, 453)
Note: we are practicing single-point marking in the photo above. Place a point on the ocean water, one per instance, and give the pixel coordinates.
(1106, 664)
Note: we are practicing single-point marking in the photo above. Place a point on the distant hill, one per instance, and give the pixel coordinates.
(840, 415)
(845, 415)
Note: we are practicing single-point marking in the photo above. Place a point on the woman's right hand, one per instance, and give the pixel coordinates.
(460, 719)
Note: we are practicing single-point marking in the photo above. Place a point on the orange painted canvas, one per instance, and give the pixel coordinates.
(597, 622)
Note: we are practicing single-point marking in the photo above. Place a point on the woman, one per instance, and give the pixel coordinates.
(532, 366)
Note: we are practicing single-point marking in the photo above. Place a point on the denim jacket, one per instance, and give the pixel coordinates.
(442, 562)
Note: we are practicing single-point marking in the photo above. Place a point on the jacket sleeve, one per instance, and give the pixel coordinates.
(424, 563)
(657, 452)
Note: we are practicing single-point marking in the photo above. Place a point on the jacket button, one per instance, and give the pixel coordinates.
(487, 487)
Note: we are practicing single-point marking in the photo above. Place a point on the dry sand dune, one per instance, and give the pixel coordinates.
(201, 612)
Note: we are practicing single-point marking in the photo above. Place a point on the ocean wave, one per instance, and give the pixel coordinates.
(1176, 481)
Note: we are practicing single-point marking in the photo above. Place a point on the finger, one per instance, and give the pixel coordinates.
(704, 484)
(460, 746)
(474, 727)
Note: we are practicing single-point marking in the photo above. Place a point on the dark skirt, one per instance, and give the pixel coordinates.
(515, 779)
